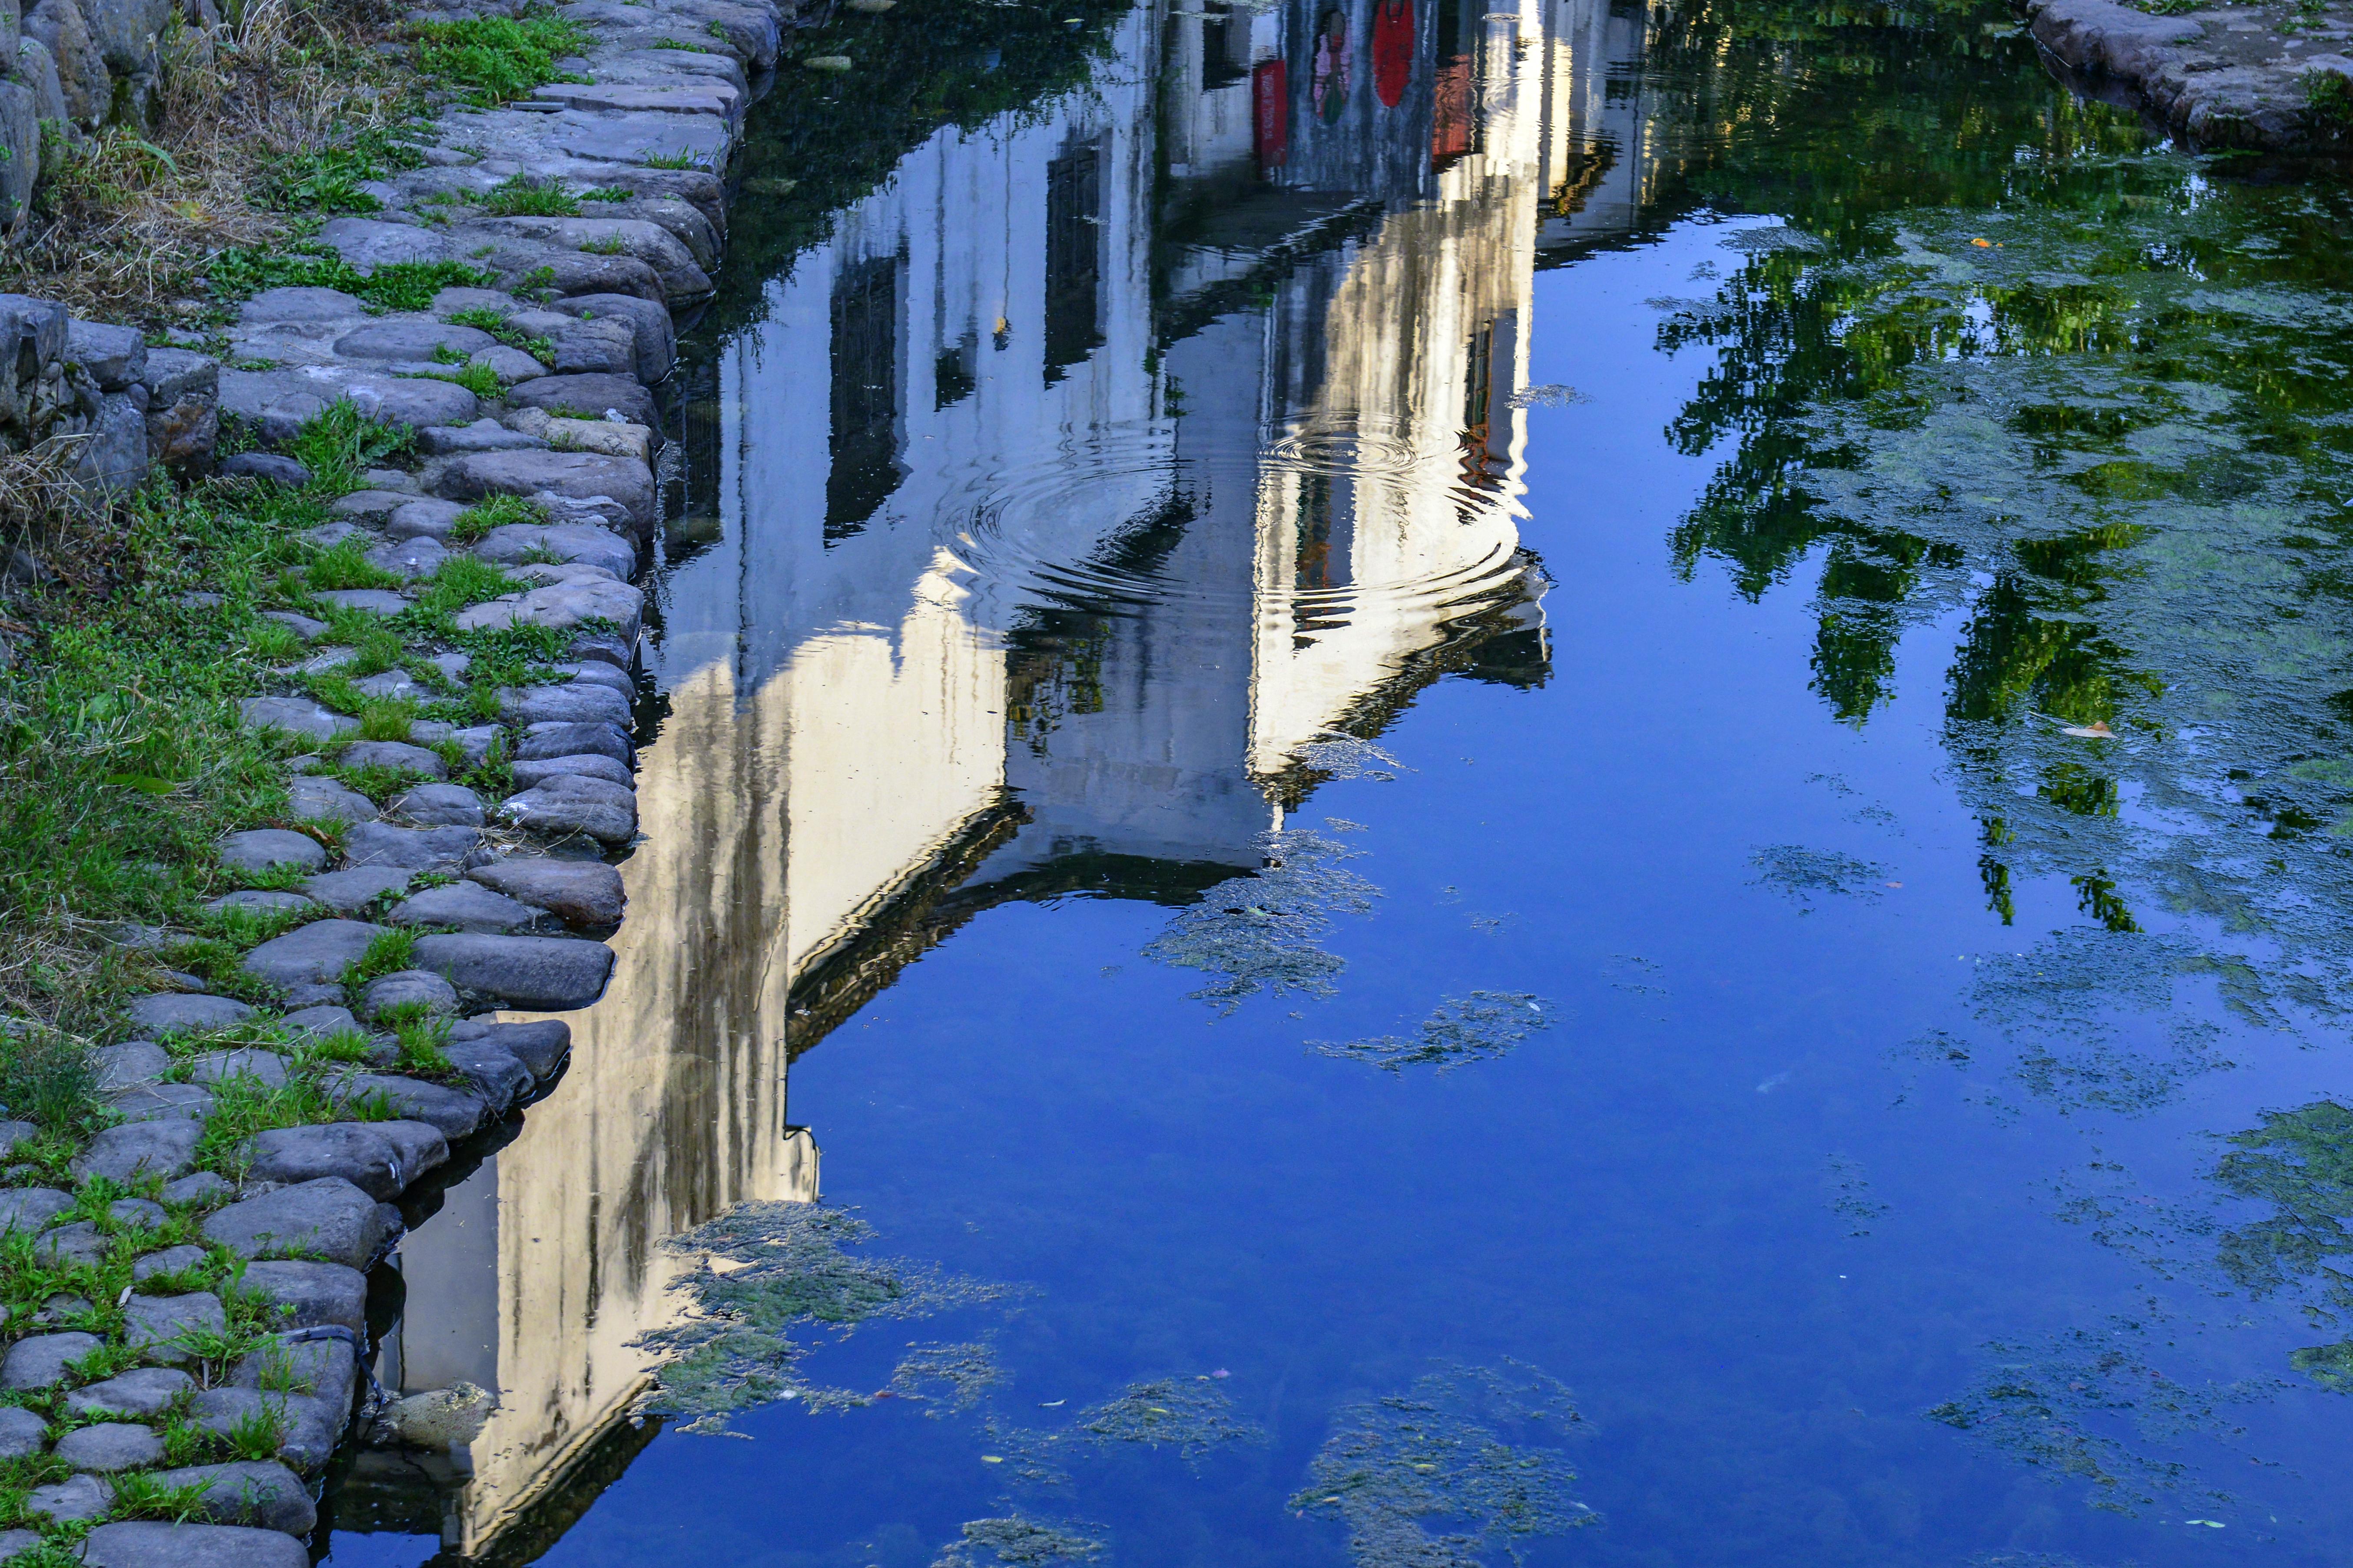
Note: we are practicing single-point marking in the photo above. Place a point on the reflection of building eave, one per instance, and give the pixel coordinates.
(565, 1491)
(1180, 317)
(1462, 641)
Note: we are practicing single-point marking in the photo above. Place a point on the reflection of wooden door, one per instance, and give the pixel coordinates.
(1453, 132)
(1073, 259)
(864, 439)
(1393, 39)
(1478, 406)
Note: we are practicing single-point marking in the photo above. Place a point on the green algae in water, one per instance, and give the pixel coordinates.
(786, 1268)
(1849, 1194)
(1189, 1414)
(964, 1373)
(2083, 1405)
(1476, 1027)
(1471, 1447)
(1263, 932)
(2300, 1163)
(1349, 757)
(1799, 873)
(1018, 1542)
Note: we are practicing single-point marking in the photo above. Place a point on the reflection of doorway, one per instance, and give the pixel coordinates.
(1073, 259)
(1478, 407)
(865, 432)
(1454, 109)
(1224, 47)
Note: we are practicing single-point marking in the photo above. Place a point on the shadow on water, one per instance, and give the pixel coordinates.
(1113, 423)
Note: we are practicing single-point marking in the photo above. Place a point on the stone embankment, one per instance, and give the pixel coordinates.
(541, 383)
(2258, 76)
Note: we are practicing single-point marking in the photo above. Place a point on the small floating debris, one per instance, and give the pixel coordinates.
(2097, 730)
(769, 185)
(828, 62)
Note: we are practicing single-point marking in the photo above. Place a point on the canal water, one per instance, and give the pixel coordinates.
(1430, 785)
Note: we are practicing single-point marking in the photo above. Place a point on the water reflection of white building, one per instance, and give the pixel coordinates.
(1094, 464)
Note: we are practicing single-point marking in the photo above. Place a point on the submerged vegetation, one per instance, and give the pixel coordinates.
(1475, 1028)
(1262, 933)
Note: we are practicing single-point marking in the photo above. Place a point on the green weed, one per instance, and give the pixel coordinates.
(497, 59)
(478, 379)
(496, 512)
(236, 273)
(524, 196)
(339, 443)
(256, 1434)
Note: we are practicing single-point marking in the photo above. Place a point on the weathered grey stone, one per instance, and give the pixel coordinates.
(410, 560)
(596, 672)
(467, 906)
(20, 134)
(114, 458)
(82, 80)
(303, 626)
(265, 1494)
(37, 69)
(170, 1261)
(575, 802)
(424, 517)
(540, 1046)
(131, 1062)
(163, 1147)
(316, 798)
(370, 507)
(396, 755)
(142, 1391)
(173, 374)
(170, 1012)
(126, 30)
(79, 1242)
(368, 244)
(529, 774)
(567, 542)
(328, 1218)
(41, 1360)
(161, 1102)
(301, 305)
(582, 892)
(137, 1214)
(318, 953)
(75, 1497)
(30, 1208)
(357, 1152)
(439, 806)
(312, 1427)
(114, 356)
(481, 436)
(318, 1021)
(146, 1545)
(308, 1295)
(108, 1446)
(452, 1112)
(203, 1189)
(580, 702)
(296, 716)
(606, 346)
(262, 901)
(411, 339)
(589, 397)
(495, 1074)
(414, 849)
(396, 685)
(21, 1432)
(408, 988)
(183, 434)
(561, 606)
(218, 1066)
(545, 973)
(262, 849)
(351, 892)
(270, 466)
(574, 475)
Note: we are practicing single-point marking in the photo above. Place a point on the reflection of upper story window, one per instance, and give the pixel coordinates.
(1074, 241)
(1224, 47)
(864, 439)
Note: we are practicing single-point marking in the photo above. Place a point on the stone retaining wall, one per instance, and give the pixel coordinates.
(513, 895)
(2240, 76)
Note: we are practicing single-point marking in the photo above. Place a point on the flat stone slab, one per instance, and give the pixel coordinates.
(262, 849)
(108, 1446)
(295, 715)
(494, 1073)
(165, 1147)
(411, 848)
(163, 1101)
(398, 755)
(264, 900)
(131, 1062)
(328, 1218)
(315, 798)
(79, 1242)
(451, 1112)
(317, 954)
(550, 974)
(541, 742)
(467, 906)
(583, 892)
(320, 1021)
(205, 1189)
(313, 1427)
(308, 1295)
(367, 600)
(169, 1013)
(147, 1545)
(217, 1066)
(21, 1432)
(141, 1391)
(75, 1497)
(265, 1494)
(541, 1044)
(354, 1152)
(426, 517)
(589, 397)
(529, 775)
(566, 541)
(576, 476)
(40, 1361)
(574, 803)
(351, 891)
(154, 1325)
(408, 988)
(170, 1261)
(578, 702)
(439, 805)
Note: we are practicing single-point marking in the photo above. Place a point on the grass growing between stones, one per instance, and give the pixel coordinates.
(493, 60)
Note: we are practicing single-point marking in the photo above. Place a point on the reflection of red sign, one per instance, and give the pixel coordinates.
(1270, 113)
(1451, 125)
(1392, 49)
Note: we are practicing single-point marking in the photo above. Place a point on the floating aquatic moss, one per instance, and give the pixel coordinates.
(2300, 1163)
(1349, 757)
(1799, 873)
(761, 1271)
(2331, 1366)
(1472, 1450)
(1849, 1194)
(965, 1373)
(1018, 1542)
(2060, 1003)
(1189, 1414)
(1551, 395)
(1475, 1028)
(2083, 1405)
(1263, 932)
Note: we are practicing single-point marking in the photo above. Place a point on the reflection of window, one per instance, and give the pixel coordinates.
(955, 374)
(1319, 560)
(1225, 47)
(1478, 406)
(865, 433)
(1073, 259)
(1454, 120)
